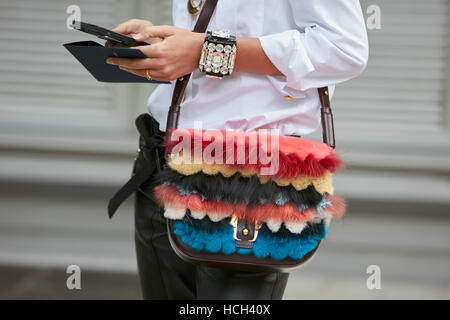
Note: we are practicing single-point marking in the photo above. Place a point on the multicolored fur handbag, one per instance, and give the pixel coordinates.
(225, 212)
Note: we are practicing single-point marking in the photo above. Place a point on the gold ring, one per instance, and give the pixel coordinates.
(147, 74)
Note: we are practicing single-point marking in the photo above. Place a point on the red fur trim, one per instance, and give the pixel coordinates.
(167, 194)
(297, 156)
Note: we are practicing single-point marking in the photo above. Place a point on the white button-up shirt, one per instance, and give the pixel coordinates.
(314, 43)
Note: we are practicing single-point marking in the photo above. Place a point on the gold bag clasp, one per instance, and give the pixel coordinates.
(234, 223)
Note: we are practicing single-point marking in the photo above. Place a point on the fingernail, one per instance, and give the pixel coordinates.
(109, 61)
(138, 36)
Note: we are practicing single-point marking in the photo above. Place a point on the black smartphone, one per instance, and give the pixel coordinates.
(106, 34)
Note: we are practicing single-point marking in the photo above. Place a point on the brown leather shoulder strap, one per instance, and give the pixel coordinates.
(181, 83)
(327, 118)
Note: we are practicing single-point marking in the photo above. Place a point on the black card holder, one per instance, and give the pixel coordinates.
(93, 55)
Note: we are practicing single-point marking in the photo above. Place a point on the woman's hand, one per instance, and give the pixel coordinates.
(172, 53)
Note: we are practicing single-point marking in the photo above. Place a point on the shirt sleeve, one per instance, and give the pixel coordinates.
(328, 46)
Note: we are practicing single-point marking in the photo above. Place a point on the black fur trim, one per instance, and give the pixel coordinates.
(237, 189)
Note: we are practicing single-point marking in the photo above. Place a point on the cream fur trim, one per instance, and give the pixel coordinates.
(174, 213)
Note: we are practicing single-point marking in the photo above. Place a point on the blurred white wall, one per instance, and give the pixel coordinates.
(67, 143)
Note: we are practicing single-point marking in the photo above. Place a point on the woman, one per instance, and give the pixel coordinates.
(285, 50)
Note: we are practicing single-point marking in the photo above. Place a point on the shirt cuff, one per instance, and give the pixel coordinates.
(287, 52)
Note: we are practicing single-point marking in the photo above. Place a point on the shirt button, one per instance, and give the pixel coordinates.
(288, 97)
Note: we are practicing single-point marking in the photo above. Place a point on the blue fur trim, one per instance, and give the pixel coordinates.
(277, 246)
